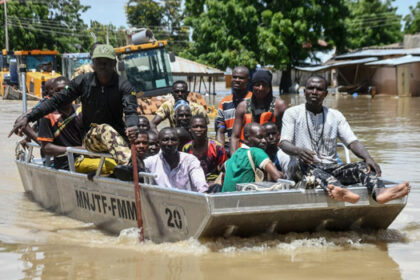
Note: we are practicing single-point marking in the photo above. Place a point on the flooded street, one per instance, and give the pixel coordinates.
(37, 244)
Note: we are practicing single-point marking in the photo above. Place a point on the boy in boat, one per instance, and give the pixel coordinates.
(242, 166)
(144, 123)
(167, 110)
(262, 108)
(211, 154)
(105, 97)
(60, 129)
(272, 136)
(227, 106)
(309, 135)
(153, 143)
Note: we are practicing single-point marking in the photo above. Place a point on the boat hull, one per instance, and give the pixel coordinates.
(171, 215)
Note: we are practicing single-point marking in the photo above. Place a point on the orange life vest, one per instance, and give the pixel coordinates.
(264, 118)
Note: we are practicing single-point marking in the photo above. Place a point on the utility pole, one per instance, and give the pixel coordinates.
(107, 35)
(5, 24)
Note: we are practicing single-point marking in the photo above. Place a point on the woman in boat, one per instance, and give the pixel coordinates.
(261, 108)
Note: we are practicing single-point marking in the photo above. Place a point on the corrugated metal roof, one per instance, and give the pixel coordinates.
(336, 64)
(379, 52)
(76, 55)
(186, 66)
(396, 61)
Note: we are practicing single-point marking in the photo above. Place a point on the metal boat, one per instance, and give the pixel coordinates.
(171, 215)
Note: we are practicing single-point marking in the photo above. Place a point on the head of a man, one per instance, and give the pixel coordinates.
(272, 134)
(183, 137)
(254, 135)
(316, 90)
(103, 62)
(141, 143)
(198, 128)
(59, 84)
(261, 86)
(144, 123)
(153, 141)
(240, 78)
(168, 141)
(183, 115)
(180, 90)
(48, 90)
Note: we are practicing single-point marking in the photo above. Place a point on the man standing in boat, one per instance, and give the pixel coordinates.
(105, 98)
(309, 135)
(227, 106)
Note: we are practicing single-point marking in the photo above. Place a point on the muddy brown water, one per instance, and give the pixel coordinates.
(37, 244)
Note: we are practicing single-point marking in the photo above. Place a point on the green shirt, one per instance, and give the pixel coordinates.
(239, 169)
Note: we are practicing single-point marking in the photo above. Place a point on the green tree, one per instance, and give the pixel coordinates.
(46, 25)
(412, 20)
(116, 36)
(372, 23)
(280, 33)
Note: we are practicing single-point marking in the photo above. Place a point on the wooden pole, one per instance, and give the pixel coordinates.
(137, 190)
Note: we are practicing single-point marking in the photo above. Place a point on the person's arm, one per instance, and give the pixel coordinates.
(359, 150)
(280, 107)
(129, 102)
(271, 169)
(197, 176)
(155, 122)
(220, 134)
(237, 126)
(70, 93)
(220, 125)
(30, 133)
(303, 154)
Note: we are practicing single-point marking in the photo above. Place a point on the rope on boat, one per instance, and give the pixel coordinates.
(275, 187)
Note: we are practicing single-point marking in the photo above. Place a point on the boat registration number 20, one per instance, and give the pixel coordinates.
(174, 217)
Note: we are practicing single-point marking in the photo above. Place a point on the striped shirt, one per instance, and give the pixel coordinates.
(226, 112)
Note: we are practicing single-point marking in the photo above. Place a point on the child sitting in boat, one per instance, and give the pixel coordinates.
(309, 136)
(60, 129)
(244, 164)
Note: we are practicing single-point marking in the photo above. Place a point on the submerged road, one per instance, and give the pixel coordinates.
(35, 243)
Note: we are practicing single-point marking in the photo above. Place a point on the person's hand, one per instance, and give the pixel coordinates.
(24, 142)
(131, 133)
(20, 123)
(306, 156)
(372, 165)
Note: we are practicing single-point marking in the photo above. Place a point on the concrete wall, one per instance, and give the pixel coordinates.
(384, 80)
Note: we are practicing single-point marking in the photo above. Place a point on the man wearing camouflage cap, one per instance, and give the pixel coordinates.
(105, 97)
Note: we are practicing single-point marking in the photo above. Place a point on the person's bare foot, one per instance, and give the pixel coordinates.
(342, 194)
(387, 194)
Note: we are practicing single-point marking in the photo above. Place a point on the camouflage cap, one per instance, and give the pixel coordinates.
(105, 51)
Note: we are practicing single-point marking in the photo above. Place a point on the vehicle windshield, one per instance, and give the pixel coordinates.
(40, 62)
(69, 65)
(147, 70)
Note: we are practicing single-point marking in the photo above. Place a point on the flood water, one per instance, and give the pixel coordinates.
(37, 244)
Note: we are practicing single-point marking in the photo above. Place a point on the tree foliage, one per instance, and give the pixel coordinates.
(116, 36)
(412, 20)
(280, 33)
(372, 23)
(164, 18)
(46, 25)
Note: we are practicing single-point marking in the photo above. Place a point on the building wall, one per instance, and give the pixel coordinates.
(384, 80)
(415, 79)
